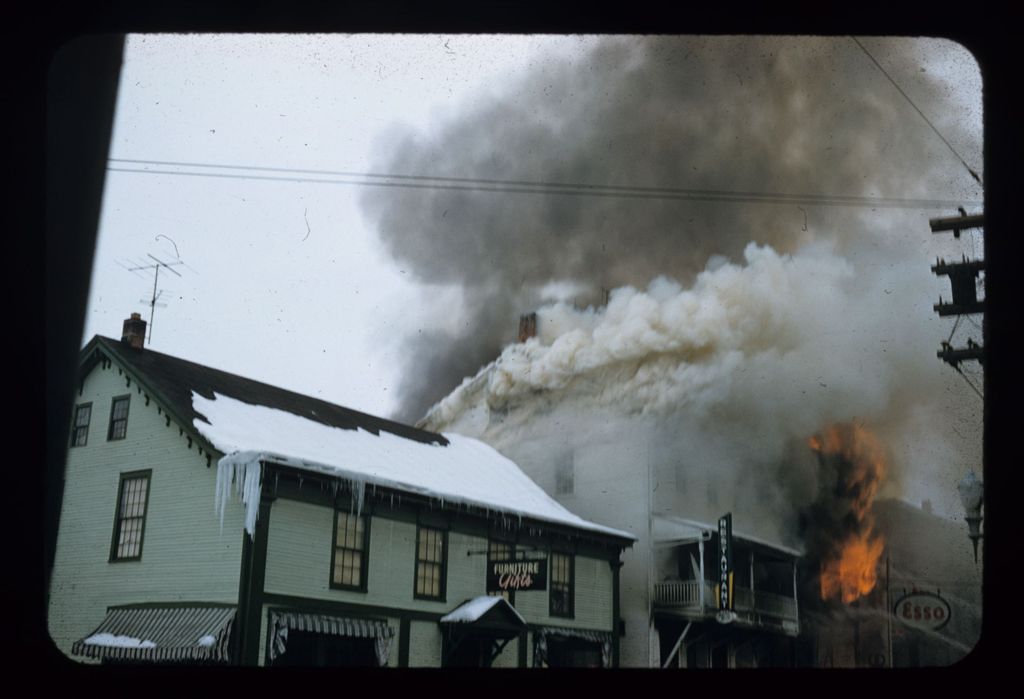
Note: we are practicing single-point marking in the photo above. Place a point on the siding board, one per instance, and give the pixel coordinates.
(185, 556)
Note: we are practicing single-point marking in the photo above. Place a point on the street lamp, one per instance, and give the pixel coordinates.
(972, 493)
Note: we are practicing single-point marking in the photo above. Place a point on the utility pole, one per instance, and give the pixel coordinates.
(963, 277)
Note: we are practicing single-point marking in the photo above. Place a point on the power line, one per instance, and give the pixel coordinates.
(911, 102)
(535, 187)
(980, 395)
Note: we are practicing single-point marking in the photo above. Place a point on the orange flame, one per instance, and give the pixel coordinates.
(851, 573)
(854, 573)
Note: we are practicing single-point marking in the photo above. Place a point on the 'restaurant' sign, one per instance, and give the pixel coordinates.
(924, 610)
(504, 574)
(724, 587)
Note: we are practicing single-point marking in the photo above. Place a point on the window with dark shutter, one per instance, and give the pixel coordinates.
(430, 563)
(130, 520)
(118, 418)
(561, 596)
(350, 549)
(80, 425)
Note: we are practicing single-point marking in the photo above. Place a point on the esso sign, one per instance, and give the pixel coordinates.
(924, 610)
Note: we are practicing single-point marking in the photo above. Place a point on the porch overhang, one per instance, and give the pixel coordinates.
(491, 618)
(161, 634)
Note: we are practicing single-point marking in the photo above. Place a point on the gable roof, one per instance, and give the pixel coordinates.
(492, 613)
(251, 422)
(173, 381)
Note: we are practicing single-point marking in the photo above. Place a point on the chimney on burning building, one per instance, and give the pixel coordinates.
(527, 326)
(134, 331)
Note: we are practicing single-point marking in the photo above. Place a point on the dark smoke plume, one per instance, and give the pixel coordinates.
(739, 114)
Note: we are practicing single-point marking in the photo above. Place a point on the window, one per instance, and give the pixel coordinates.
(564, 475)
(561, 598)
(712, 490)
(430, 563)
(349, 559)
(682, 483)
(501, 551)
(130, 518)
(118, 418)
(80, 426)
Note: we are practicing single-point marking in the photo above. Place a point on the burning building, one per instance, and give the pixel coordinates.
(670, 407)
(688, 396)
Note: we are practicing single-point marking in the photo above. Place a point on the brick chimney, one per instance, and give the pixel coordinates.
(527, 326)
(134, 332)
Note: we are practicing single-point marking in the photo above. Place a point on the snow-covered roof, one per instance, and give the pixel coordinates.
(472, 610)
(464, 471)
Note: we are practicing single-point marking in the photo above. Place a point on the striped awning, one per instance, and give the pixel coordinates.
(281, 621)
(543, 633)
(161, 634)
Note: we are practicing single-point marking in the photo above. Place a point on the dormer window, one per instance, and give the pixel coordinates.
(118, 418)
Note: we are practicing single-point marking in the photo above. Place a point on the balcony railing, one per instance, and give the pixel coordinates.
(682, 593)
(685, 594)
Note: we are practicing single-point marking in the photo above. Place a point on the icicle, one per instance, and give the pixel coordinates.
(220, 491)
(360, 488)
(357, 490)
(251, 496)
(244, 469)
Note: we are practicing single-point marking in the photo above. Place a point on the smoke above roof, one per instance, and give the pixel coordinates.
(737, 114)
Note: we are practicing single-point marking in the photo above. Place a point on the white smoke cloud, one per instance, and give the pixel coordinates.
(768, 326)
(763, 353)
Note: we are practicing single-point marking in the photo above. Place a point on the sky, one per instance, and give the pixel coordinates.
(372, 296)
(281, 281)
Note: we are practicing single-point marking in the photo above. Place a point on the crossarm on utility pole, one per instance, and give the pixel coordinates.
(956, 223)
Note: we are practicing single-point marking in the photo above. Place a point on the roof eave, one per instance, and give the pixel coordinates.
(87, 363)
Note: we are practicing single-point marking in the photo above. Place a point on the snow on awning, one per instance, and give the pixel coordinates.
(281, 621)
(473, 610)
(161, 634)
(465, 471)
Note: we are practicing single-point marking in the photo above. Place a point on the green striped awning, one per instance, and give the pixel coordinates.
(543, 633)
(161, 634)
(281, 621)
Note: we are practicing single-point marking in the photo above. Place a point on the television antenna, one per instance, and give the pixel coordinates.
(152, 301)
